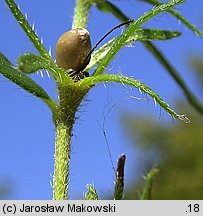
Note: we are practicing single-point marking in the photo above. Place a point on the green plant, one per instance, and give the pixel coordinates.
(71, 92)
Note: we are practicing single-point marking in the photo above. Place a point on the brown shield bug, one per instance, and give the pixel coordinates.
(73, 51)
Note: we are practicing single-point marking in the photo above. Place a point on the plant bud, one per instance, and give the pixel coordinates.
(72, 50)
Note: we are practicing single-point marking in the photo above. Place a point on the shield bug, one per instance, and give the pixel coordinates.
(73, 51)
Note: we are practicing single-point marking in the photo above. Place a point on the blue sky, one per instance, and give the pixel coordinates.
(27, 131)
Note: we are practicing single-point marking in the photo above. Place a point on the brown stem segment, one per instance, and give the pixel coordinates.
(118, 194)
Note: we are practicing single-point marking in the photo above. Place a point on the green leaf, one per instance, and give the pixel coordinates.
(155, 51)
(106, 6)
(138, 35)
(174, 73)
(177, 15)
(121, 40)
(22, 80)
(27, 29)
(30, 63)
(152, 34)
(149, 179)
(91, 193)
(91, 81)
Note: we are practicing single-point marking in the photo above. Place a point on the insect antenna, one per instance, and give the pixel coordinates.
(109, 32)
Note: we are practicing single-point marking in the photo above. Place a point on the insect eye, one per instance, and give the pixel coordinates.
(72, 48)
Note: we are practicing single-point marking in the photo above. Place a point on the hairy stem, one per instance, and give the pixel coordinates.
(62, 159)
(81, 13)
(70, 98)
(149, 180)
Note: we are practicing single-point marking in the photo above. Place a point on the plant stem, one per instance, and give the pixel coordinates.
(70, 98)
(81, 13)
(149, 179)
(62, 159)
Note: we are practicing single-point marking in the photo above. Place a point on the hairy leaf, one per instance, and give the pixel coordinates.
(30, 63)
(91, 193)
(27, 29)
(90, 81)
(155, 51)
(177, 15)
(176, 76)
(106, 6)
(22, 80)
(121, 40)
(138, 35)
